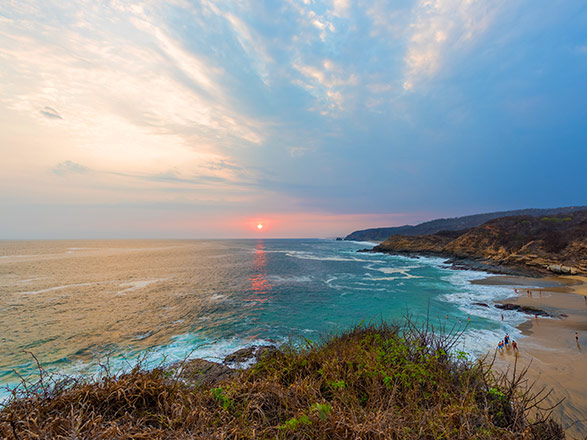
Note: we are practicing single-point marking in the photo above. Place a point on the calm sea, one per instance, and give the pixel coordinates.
(75, 303)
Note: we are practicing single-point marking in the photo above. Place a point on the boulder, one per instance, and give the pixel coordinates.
(561, 269)
(240, 356)
(480, 304)
(203, 372)
(524, 309)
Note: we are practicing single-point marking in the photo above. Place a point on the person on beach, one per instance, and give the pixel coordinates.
(506, 339)
(577, 337)
(469, 319)
(515, 345)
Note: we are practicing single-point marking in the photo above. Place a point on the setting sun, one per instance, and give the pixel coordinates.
(259, 226)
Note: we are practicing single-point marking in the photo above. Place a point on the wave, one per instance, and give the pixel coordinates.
(291, 279)
(51, 289)
(311, 256)
(135, 285)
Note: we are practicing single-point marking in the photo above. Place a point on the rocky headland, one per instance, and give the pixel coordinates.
(510, 245)
(453, 224)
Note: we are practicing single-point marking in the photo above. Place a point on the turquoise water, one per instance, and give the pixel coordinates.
(74, 303)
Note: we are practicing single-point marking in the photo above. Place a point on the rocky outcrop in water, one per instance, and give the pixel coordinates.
(522, 244)
(524, 309)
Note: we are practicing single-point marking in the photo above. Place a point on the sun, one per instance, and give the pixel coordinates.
(259, 226)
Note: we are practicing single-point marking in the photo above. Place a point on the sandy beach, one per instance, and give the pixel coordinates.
(556, 360)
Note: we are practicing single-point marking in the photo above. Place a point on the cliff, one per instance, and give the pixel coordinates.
(549, 244)
(452, 224)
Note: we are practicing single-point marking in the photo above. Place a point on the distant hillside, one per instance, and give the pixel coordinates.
(553, 243)
(452, 224)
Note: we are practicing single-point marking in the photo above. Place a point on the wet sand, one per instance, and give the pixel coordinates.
(555, 358)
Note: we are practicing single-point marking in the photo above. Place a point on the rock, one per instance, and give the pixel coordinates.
(265, 352)
(338, 238)
(516, 245)
(240, 356)
(247, 354)
(480, 304)
(203, 372)
(524, 309)
(559, 268)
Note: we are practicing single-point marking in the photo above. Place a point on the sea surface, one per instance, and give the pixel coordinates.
(76, 304)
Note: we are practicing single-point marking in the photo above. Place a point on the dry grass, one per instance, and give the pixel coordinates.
(372, 382)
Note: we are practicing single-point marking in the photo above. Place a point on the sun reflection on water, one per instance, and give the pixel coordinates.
(260, 287)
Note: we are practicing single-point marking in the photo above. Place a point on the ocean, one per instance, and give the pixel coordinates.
(78, 304)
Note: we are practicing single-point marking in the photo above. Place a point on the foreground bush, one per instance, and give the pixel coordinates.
(372, 382)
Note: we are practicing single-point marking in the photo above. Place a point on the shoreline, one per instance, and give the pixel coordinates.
(480, 265)
(554, 359)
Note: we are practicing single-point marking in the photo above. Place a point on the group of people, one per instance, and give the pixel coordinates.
(505, 343)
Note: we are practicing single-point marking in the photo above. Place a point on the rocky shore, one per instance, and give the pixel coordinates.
(520, 245)
(203, 372)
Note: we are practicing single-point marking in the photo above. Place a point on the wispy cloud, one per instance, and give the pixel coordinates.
(336, 105)
(50, 113)
(69, 167)
(441, 27)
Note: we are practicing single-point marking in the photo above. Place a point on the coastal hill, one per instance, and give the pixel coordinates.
(452, 224)
(512, 244)
(370, 382)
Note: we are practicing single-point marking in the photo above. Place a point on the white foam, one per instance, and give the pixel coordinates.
(30, 280)
(366, 243)
(310, 256)
(135, 285)
(405, 271)
(51, 289)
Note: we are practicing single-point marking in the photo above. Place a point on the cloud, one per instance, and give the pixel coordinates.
(69, 167)
(174, 177)
(223, 165)
(440, 29)
(298, 151)
(50, 113)
(327, 82)
(340, 7)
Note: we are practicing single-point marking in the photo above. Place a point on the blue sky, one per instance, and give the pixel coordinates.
(202, 119)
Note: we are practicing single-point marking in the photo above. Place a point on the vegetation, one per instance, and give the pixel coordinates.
(372, 382)
(455, 224)
(514, 244)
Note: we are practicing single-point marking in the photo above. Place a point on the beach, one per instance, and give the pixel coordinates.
(555, 360)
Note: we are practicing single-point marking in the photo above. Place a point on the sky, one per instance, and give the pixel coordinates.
(202, 119)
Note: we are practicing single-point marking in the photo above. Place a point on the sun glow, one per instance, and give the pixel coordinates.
(259, 226)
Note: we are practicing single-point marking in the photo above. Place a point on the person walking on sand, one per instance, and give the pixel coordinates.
(515, 345)
(506, 339)
(577, 337)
